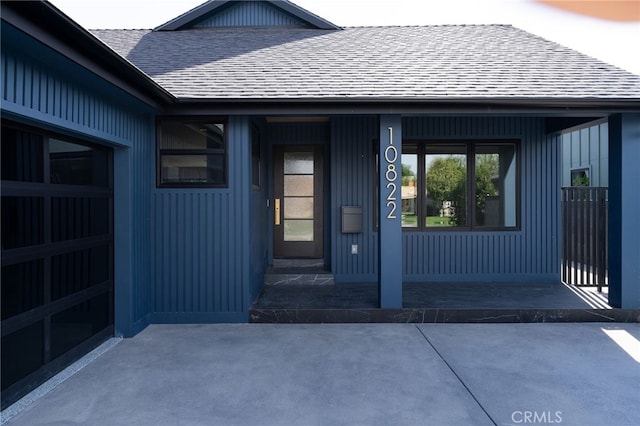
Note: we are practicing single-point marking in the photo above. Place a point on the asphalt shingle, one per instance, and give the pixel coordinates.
(414, 63)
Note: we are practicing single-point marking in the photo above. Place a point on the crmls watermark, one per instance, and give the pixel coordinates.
(536, 417)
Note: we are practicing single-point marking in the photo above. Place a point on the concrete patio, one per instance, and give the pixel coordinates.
(354, 374)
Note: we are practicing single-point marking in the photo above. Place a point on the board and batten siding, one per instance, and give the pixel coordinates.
(43, 89)
(587, 148)
(529, 254)
(247, 14)
(201, 262)
(352, 184)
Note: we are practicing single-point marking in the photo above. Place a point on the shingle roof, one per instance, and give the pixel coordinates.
(367, 63)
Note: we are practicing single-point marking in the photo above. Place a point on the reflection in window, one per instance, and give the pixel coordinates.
(192, 154)
(22, 353)
(495, 182)
(22, 222)
(464, 185)
(78, 217)
(22, 156)
(22, 287)
(75, 325)
(73, 164)
(446, 195)
(78, 270)
(409, 187)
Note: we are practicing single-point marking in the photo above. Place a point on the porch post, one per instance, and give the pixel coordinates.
(624, 205)
(390, 212)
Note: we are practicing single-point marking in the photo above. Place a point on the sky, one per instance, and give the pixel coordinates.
(605, 29)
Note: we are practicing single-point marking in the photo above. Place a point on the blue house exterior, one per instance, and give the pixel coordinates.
(187, 247)
(585, 154)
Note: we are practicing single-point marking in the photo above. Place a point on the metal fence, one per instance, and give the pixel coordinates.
(585, 252)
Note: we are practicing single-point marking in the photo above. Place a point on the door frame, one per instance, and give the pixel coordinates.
(294, 249)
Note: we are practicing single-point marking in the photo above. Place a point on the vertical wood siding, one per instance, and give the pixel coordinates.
(142, 166)
(249, 14)
(260, 229)
(35, 91)
(298, 133)
(201, 267)
(41, 88)
(531, 253)
(587, 148)
(352, 183)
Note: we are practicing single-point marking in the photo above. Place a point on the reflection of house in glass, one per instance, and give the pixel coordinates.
(409, 195)
(448, 209)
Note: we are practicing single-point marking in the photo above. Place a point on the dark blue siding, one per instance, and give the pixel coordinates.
(259, 219)
(587, 148)
(249, 14)
(44, 89)
(531, 253)
(298, 133)
(624, 203)
(352, 183)
(201, 270)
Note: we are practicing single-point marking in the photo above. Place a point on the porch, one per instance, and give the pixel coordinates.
(437, 302)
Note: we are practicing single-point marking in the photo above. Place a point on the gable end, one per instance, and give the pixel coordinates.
(250, 14)
(247, 13)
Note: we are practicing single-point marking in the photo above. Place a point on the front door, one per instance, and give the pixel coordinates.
(298, 201)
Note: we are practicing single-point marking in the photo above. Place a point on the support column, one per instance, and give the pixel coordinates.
(123, 243)
(390, 212)
(624, 209)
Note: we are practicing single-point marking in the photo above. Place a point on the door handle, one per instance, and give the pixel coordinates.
(276, 210)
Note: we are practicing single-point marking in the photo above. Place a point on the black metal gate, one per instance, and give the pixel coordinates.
(584, 236)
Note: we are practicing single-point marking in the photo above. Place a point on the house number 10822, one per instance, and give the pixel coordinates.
(391, 174)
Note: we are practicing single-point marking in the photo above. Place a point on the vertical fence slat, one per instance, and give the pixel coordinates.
(584, 247)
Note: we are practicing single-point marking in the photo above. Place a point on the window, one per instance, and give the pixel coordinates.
(580, 177)
(459, 185)
(192, 154)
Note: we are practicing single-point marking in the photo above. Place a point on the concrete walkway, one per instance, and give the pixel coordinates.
(352, 374)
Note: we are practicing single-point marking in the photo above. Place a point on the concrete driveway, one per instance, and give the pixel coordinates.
(351, 374)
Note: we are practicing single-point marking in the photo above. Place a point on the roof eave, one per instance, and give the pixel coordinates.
(65, 36)
(349, 106)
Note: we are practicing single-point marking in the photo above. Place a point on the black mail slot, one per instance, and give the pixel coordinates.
(351, 219)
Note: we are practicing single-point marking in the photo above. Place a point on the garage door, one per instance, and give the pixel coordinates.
(57, 254)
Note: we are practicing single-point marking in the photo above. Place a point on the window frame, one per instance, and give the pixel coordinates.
(586, 172)
(419, 148)
(160, 152)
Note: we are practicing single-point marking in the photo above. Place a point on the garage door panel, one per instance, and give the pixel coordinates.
(57, 254)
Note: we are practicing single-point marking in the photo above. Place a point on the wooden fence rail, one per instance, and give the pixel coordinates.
(584, 236)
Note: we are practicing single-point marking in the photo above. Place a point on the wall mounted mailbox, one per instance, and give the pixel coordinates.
(351, 219)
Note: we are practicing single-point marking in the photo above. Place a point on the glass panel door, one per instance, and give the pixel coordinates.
(298, 201)
(298, 196)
